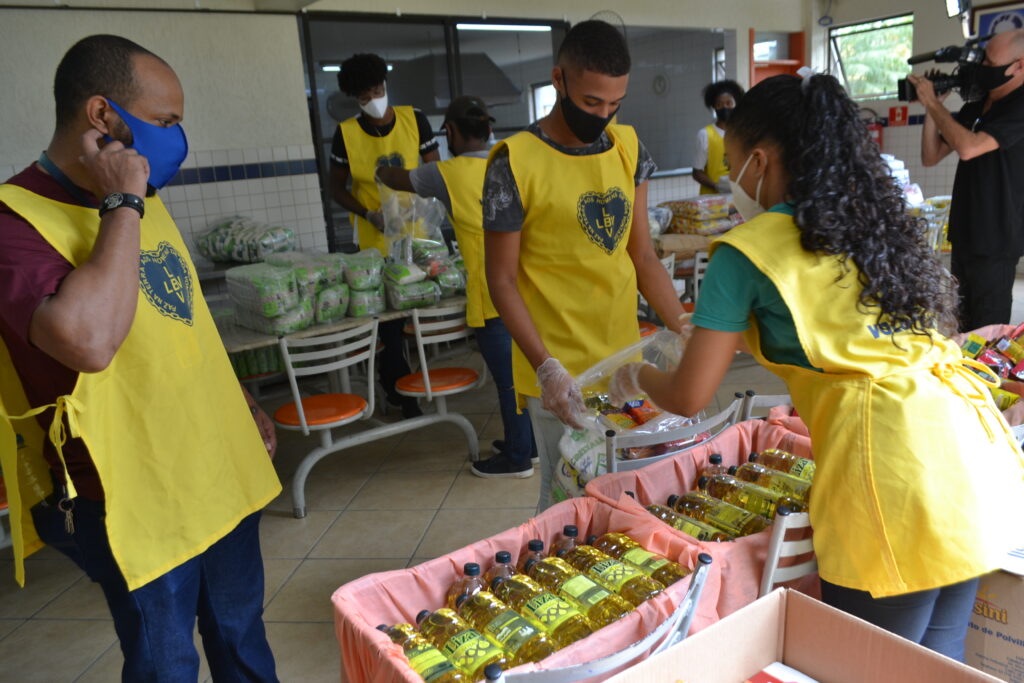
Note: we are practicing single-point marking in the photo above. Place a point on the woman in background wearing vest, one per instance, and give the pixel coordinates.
(710, 168)
(831, 288)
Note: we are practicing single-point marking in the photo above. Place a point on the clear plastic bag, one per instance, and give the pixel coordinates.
(314, 271)
(262, 289)
(363, 270)
(297, 318)
(362, 303)
(412, 295)
(403, 273)
(332, 303)
(452, 282)
(409, 217)
(244, 240)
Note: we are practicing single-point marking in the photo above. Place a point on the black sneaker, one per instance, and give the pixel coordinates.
(410, 406)
(500, 467)
(498, 448)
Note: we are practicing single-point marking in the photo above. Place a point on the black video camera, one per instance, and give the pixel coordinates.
(963, 77)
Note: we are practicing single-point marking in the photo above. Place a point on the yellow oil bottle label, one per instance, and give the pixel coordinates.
(469, 649)
(729, 516)
(429, 663)
(804, 469)
(760, 502)
(549, 610)
(644, 559)
(511, 630)
(583, 590)
(614, 573)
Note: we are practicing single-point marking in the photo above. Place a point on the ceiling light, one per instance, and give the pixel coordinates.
(502, 27)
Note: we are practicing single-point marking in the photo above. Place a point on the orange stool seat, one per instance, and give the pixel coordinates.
(646, 328)
(322, 409)
(441, 379)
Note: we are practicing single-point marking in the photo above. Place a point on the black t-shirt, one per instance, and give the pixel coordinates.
(987, 214)
(339, 156)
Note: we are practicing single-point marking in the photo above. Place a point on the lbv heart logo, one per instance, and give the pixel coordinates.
(166, 282)
(604, 216)
(393, 160)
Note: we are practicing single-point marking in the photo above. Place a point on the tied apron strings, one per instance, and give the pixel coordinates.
(976, 394)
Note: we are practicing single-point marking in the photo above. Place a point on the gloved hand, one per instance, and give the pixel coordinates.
(625, 383)
(560, 394)
(376, 218)
(723, 186)
(685, 331)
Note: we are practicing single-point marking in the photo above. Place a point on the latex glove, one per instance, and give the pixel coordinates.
(1015, 414)
(625, 383)
(376, 218)
(723, 187)
(560, 394)
(266, 427)
(685, 331)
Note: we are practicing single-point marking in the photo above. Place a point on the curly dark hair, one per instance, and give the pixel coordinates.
(595, 45)
(361, 72)
(846, 202)
(711, 92)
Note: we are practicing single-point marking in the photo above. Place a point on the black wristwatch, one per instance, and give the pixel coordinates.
(116, 200)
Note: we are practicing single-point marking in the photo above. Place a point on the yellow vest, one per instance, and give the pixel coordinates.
(716, 166)
(177, 451)
(918, 481)
(399, 148)
(464, 178)
(575, 274)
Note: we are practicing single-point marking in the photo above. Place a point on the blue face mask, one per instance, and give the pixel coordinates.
(164, 148)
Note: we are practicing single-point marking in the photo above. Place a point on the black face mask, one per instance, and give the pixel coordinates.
(989, 77)
(584, 125)
(724, 114)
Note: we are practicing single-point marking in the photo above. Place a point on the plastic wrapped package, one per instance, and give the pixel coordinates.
(313, 271)
(242, 239)
(363, 270)
(658, 219)
(363, 302)
(331, 303)
(412, 295)
(297, 318)
(407, 214)
(452, 282)
(702, 215)
(262, 289)
(404, 274)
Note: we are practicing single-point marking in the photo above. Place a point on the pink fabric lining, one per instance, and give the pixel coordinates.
(367, 655)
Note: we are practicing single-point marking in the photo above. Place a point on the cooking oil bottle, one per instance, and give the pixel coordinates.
(688, 525)
(469, 584)
(748, 496)
(784, 461)
(560, 620)
(534, 551)
(773, 480)
(502, 567)
(728, 518)
(425, 659)
(622, 547)
(600, 606)
(714, 466)
(466, 647)
(567, 542)
(521, 640)
(624, 579)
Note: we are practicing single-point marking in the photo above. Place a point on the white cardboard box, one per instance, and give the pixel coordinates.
(995, 639)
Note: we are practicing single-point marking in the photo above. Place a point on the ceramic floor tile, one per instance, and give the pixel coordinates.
(453, 529)
(427, 457)
(331, 485)
(470, 491)
(108, 667)
(84, 600)
(44, 581)
(494, 429)
(48, 650)
(275, 574)
(9, 625)
(374, 534)
(403, 491)
(307, 594)
(283, 536)
(305, 652)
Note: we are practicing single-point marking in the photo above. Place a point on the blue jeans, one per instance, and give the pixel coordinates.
(937, 618)
(223, 587)
(496, 347)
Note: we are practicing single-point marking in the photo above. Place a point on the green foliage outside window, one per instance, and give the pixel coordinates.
(869, 58)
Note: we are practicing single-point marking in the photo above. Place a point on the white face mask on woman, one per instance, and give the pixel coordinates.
(376, 107)
(748, 207)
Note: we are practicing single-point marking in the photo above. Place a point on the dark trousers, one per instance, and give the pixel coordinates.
(985, 288)
(222, 587)
(496, 347)
(937, 619)
(391, 361)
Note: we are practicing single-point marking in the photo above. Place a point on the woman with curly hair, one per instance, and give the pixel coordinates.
(831, 288)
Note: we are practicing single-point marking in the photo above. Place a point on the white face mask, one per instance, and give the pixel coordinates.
(377, 107)
(748, 207)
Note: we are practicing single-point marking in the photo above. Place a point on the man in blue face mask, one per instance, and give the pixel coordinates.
(155, 492)
(986, 220)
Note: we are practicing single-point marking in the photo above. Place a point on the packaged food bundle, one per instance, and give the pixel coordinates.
(403, 274)
(237, 238)
(363, 270)
(263, 289)
(430, 255)
(412, 295)
(297, 318)
(313, 271)
(332, 303)
(711, 226)
(702, 215)
(452, 282)
(1004, 357)
(261, 361)
(665, 448)
(364, 302)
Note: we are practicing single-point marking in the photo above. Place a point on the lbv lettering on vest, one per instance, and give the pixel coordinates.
(173, 285)
(887, 329)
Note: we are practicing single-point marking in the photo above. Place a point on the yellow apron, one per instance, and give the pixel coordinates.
(918, 481)
(464, 178)
(717, 166)
(178, 454)
(575, 274)
(399, 148)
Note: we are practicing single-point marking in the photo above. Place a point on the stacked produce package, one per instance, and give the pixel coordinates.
(1004, 356)
(363, 274)
(320, 278)
(244, 240)
(710, 214)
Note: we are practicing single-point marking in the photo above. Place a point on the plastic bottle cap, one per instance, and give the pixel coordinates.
(591, 540)
(570, 530)
(783, 510)
(733, 470)
(471, 569)
(631, 494)
(535, 545)
(498, 580)
(459, 601)
(529, 563)
(382, 627)
(702, 482)
(422, 615)
(503, 557)
(672, 500)
(715, 459)
(492, 672)
(752, 457)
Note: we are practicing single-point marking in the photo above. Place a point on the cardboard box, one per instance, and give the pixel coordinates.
(808, 635)
(683, 246)
(995, 639)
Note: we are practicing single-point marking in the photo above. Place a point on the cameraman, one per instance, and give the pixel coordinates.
(986, 221)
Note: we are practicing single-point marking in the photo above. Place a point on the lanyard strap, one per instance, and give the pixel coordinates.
(64, 405)
(75, 191)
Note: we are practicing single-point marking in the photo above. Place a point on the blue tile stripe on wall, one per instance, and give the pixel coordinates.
(266, 169)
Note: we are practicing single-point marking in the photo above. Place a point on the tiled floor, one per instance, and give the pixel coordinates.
(388, 505)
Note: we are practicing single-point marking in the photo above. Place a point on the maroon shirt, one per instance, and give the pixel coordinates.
(30, 271)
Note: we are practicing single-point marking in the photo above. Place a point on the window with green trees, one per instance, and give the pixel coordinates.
(868, 58)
